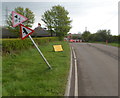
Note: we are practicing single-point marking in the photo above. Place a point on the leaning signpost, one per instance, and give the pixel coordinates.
(17, 19)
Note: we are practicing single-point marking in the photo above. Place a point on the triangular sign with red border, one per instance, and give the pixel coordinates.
(17, 18)
(25, 31)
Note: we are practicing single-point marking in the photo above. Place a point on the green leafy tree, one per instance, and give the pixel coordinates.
(25, 12)
(92, 37)
(48, 20)
(57, 21)
(100, 36)
(85, 36)
(103, 35)
(76, 36)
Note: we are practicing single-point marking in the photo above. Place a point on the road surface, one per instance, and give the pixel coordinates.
(97, 70)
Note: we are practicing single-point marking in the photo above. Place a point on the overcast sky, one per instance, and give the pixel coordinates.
(93, 14)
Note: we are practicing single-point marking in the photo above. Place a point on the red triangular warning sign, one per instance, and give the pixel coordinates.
(25, 31)
(17, 19)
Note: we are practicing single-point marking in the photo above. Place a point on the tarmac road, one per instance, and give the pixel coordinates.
(97, 69)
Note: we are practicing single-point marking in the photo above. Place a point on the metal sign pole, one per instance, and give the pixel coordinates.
(20, 19)
(40, 52)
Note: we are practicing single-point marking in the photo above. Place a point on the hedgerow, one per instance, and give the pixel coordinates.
(11, 45)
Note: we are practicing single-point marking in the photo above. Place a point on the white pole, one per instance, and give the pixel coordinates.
(40, 52)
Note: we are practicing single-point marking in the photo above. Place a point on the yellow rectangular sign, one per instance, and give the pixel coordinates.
(58, 48)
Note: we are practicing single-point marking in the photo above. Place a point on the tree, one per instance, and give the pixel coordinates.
(103, 35)
(48, 20)
(92, 37)
(85, 36)
(57, 21)
(25, 12)
(76, 36)
(100, 36)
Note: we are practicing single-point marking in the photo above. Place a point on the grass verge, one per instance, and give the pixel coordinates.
(114, 44)
(0, 76)
(26, 73)
(111, 44)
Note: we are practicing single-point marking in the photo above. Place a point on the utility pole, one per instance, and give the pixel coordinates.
(85, 28)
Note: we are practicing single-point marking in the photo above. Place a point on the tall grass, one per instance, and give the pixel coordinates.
(26, 73)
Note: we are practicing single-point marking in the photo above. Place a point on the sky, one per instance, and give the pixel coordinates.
(92, 15)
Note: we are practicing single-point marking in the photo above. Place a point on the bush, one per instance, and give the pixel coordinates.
(11, 45)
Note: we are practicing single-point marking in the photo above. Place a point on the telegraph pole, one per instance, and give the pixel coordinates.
(85, 28)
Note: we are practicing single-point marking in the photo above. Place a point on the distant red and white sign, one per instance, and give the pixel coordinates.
(17, 18)
(25, 31)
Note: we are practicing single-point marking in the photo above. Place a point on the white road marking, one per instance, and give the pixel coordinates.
(76, 75)
(67, 93)
(73, 53)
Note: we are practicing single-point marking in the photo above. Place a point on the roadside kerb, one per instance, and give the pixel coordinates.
(67, 92)
(76, 75)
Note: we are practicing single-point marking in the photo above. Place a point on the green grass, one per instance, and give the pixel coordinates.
(114, 44)
(26, 74)
(111, 44)
(0, 67)
(0, 41)
(0, 76)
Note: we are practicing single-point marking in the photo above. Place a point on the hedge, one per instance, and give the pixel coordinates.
(10, 45)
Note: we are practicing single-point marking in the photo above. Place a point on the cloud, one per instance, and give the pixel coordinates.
(93, 14)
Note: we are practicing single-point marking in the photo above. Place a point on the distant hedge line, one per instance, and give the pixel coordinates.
(10, 45)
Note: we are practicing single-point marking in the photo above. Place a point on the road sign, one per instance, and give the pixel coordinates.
(58, 48)
(25, 31)
(17, 19)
